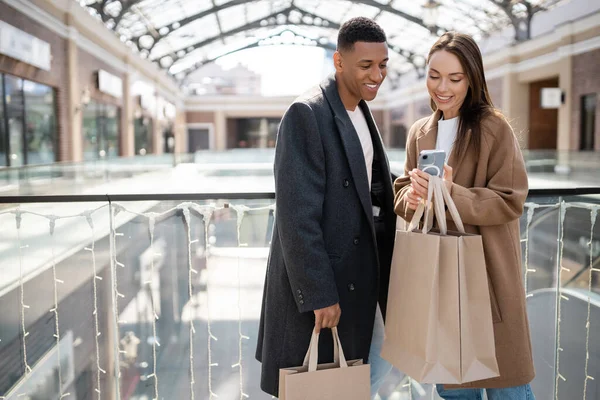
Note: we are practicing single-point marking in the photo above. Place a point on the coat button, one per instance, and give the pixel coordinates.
(356, 241)
(346, 183)
(351, 287)
(301, 301)
(299, 291)
(300, 296)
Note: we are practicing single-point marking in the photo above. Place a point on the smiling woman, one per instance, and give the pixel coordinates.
(487, 180)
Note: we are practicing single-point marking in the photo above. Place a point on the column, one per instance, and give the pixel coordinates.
(74, 110)
(180, 131)
(386, 129)
(565, 79)
(220, 130)
(127, 138)
(515, 101)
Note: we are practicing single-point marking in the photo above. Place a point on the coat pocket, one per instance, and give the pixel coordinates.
(496, 313)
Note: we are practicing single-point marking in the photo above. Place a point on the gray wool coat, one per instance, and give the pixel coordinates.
(324, 248)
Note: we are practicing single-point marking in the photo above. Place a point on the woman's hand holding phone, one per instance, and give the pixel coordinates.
(419, 181)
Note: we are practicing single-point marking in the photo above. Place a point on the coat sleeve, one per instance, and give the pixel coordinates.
(300, 188)
(503, 198)
(402, 183)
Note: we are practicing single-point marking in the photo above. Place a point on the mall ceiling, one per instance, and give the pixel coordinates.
(184, 35)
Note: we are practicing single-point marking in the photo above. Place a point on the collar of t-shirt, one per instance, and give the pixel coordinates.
(446, 136)
(364, 135)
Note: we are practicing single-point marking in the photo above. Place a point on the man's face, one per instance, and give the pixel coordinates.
(362, 69)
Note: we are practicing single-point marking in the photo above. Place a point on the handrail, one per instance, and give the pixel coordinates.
(85, 198)
(89, 198)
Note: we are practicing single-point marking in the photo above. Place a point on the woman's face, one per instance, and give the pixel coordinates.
(447, 83)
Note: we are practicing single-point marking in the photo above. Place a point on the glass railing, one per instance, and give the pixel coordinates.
(216, 170)
(158, 295)
(79, 177)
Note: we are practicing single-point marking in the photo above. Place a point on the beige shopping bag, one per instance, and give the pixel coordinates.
(439, 325)
(348, 380)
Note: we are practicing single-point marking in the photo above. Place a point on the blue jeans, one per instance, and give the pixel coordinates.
(512, 393)
(379, 367)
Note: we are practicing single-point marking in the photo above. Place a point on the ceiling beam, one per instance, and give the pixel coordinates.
(233, 3)
(272, 21)
(258, 43)
(521, 13)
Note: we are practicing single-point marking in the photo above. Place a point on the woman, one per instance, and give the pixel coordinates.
(486, 177)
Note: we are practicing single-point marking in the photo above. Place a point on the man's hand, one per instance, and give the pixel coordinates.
(327, 317)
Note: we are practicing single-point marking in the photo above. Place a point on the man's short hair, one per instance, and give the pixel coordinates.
(359, 29)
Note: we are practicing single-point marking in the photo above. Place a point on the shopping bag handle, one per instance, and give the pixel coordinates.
(437, 197)
(312, 355)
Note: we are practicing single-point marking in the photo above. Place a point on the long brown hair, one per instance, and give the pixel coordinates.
(478, 102)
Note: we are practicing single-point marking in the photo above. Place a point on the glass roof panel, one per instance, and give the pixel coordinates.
(169, 32)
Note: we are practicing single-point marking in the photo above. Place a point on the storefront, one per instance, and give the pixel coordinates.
(28, 128)
(143, 125)
(252, 132)
(143, 129)
(101, 130)
(166, 120)
(101, 111)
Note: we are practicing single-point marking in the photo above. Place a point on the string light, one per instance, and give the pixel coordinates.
(52, 224)
(95, 278)
(531, 207)
(206, 212)
(187, 218)
(561, 297)
(593, 215)
(115, 209)
(151, 224)
(18, 218)
(241, 213)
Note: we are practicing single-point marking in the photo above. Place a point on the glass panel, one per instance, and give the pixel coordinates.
(3, 160)
(101, 127)
(143, 136)
(40, 116)
(112, 128)
(15, 112)
(39, 268)
(198, 139)
(168, 138)
(90, 131)
(588, 121)
(144, 325)
(157, 310)
(561, 256)
(255, 133)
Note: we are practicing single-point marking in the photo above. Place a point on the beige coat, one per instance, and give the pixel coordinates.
(489, 190)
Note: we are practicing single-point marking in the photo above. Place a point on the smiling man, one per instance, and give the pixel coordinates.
(333, 238)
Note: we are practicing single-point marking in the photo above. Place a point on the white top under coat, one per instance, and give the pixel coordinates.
(364, 135)
(447, 131)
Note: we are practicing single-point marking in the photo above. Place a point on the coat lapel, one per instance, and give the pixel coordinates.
(428, 137)
(352, 146)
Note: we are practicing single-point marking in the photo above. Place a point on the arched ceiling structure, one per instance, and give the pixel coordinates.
(183, 35)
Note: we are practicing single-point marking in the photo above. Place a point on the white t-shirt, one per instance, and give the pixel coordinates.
(360, 124)
(447, 130)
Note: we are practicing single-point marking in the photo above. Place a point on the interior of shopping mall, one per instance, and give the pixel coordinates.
(137, 191)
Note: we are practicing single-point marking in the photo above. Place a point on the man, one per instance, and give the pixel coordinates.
(332, 243)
